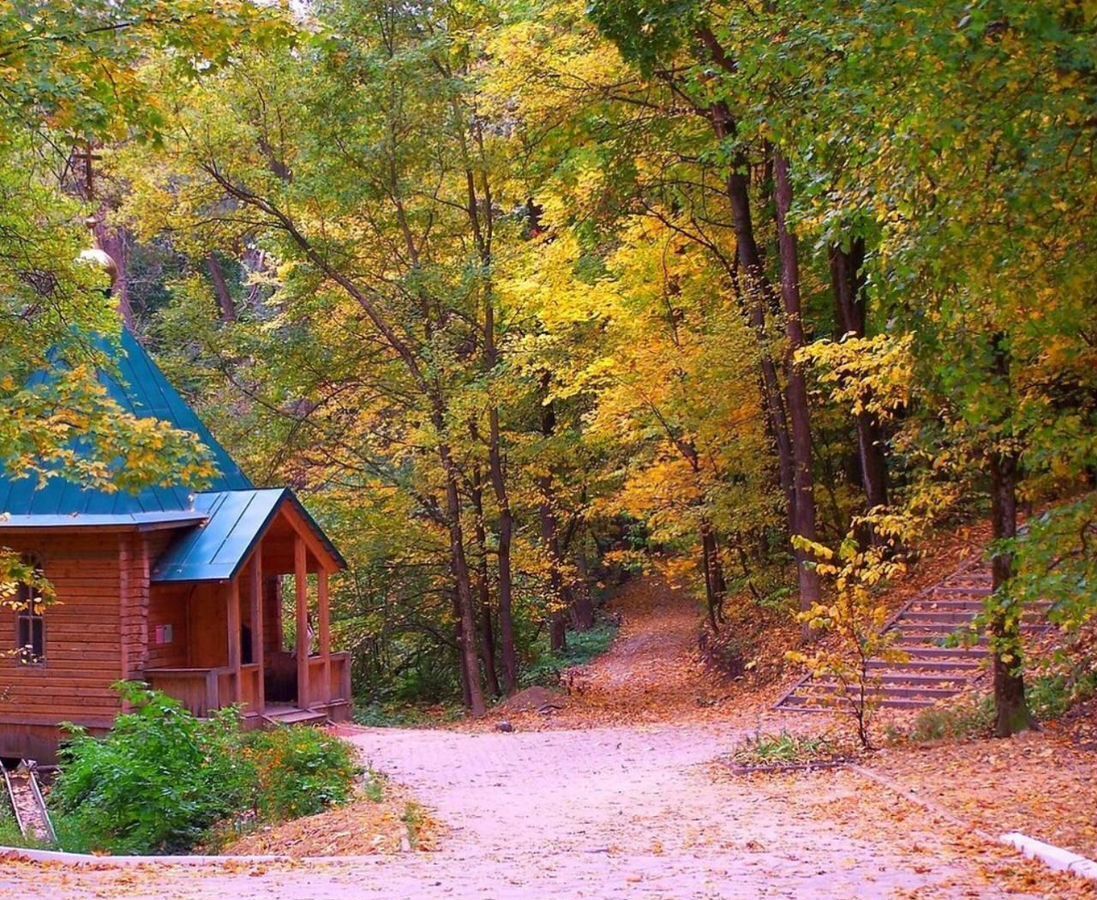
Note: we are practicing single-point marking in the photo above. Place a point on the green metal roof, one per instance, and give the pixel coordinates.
(142, 390)
(222, 524)
(217, 549)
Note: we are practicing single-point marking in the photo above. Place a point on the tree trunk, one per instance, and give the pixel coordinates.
(221, 289)
(550, 538)
(583, 608)
(845, 270)
(506, 541)
(758, 293)
(459, 566)
(715, 584)
(1011, 710)
(551, 541)
(797, 397)
(462, 670)
(487, 632)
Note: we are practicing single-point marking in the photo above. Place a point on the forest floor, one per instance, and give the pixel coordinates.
(622, 794)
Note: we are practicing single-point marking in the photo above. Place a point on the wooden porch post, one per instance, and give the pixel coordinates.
(257, 637)
(301, 577)
(325, 630)
(234, 641)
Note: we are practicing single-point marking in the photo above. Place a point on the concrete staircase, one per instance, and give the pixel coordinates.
(933, 671)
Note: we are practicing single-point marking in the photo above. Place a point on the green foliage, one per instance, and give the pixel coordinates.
(583, 646)
(157, 782)
(1057, 563)
(299, 771)
(1051, 696)
(413, 819)
(162, 779)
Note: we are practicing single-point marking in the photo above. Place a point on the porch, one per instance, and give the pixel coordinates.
(219, 643)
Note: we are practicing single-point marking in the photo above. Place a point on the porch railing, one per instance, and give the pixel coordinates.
(203, 690)
(339, 690)
(199, 690)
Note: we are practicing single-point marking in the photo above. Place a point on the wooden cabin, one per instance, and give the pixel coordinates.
(181, 590)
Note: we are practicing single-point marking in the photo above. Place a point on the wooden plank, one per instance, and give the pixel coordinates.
(258, 651)
(325, 630)
(300, 572)
(233, 619)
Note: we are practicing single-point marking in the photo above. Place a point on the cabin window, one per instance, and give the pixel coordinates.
(30, 639)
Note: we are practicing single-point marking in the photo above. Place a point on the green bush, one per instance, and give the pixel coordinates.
(299, 771)
(155, 783)
(1051, 696)
(161, 780)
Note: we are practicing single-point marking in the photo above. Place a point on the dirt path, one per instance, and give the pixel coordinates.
(652, 672)
(629, 810)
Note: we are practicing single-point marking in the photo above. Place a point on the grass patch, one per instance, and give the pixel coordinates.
(375, 787)
(10, 835)
(377, 714)
(786, 749)
(583, 646)
(414, 819)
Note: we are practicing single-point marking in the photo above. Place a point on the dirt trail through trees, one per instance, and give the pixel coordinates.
(652, 673)
(636, 810)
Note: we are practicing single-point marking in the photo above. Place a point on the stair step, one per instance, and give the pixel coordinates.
(936, 616)
(920, 650)
(948, 603)
(295, 717)
(824, 687)
(939, 629)
(802, 704)
(933, 636)
(889, 678)
(939, 664)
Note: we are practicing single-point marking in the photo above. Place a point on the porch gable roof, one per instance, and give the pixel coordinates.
(217, 549)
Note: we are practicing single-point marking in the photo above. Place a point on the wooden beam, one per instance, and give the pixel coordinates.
(258, 652)
(303, 531)
(325, 629)
(301, 577)
(234, 639)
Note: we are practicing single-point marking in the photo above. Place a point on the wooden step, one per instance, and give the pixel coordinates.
(294, 716)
